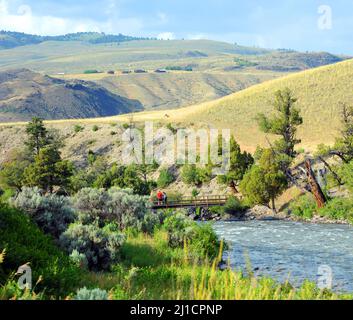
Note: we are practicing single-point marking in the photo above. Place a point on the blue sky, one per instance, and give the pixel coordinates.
(306, 25)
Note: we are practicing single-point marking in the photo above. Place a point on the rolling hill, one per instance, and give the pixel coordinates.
(216, 69)
(9, 39)
(24, 94)
(319, 91)
(174, 89)
(77, 56)
(227, 75)
(75, 53)
(320, 94)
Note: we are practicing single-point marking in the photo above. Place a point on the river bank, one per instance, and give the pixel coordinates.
(153, 270)
(260, 213)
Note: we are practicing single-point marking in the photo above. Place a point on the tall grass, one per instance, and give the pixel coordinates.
(152, 270)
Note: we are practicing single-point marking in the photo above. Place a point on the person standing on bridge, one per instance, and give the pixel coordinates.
(160, 197)
(165, 198)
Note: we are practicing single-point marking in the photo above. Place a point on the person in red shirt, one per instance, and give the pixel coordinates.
(160, 197)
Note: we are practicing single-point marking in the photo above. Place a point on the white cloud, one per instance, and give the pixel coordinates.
(24, 20)
(166, 36)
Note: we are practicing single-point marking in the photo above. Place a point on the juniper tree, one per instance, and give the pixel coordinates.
(265, 181)
(284, 123)
(240, 162)
(12, 170)
(37, 135)
(48, 170)
(344, 145)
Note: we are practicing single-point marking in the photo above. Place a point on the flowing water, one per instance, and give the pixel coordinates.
(291, 250)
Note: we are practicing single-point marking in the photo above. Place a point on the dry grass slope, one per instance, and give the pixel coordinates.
(175, 89)
(319, 91)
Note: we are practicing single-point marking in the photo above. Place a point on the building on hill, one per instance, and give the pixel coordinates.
(140, 71)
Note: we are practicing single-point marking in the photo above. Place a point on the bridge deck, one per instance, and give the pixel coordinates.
(211, 201)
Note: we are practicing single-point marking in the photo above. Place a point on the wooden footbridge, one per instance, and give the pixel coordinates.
(190, 202)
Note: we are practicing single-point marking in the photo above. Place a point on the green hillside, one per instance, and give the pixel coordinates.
(77, 56)
(215, 69)
(320, 93)
(79, 52)
(9, 39)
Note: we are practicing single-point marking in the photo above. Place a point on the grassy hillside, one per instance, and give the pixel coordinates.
(175, 89)
(10, 39)
(77, 56)
(319, 92)
(216, 68)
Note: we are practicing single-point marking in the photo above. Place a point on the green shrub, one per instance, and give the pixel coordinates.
(90, 205)
(171, 128)
(165, 178)
(91, 71)
(78, 128)
(25, 243)
(233, 206)
(115, 205)
(244, 63)
(179, 68)
(338, 209)
(301, 151)
(346, 172)
(201, 238)
(335, 209)
(150, 222)
(179, 228)
(195, 193)
(193, 175)
(52, 213)
(303, 207)
(95, 128)
(205, 241)
(6, 195)
(93, 294)
(11, 291)
(79, 260)
(99, 245)
(217, 210)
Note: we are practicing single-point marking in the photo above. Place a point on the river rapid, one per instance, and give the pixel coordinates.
(290, 250)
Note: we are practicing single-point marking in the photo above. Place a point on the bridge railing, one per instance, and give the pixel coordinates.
(191, 201)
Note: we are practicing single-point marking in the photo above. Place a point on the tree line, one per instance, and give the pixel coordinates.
(260, 178)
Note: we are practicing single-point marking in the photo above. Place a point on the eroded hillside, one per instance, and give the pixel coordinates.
(25, 94)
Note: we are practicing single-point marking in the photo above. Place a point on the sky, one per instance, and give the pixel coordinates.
(305, 25)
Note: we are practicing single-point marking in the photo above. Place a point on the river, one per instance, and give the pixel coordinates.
(291, 250)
